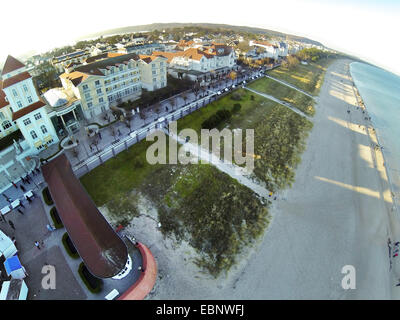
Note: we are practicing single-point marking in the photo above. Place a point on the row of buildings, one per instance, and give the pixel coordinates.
(91, 85)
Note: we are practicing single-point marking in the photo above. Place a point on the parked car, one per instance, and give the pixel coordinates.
(219, 93)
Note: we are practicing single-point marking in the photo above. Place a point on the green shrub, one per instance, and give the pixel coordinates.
(94, 285)
(236, 107)
(138, 163)
(69, 246)
(214, 120)
(236, 96)
(56, 218)
(47, 197)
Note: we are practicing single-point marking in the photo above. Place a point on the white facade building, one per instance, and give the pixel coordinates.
(27, 110)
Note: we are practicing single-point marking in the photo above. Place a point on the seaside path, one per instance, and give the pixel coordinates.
(290, 86)
(288, 105)
(229, 168)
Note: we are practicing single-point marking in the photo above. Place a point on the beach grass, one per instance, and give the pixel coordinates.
(284, 93)
(210, 210)
(306, 77)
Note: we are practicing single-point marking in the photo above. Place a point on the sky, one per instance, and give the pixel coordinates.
(365, 28)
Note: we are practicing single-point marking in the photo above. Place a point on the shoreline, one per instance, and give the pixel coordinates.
(375, 133)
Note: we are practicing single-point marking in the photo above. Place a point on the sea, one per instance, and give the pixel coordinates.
(380, 91)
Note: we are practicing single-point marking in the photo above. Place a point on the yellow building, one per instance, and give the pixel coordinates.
(153, 71)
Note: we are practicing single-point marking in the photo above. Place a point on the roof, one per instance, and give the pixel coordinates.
(3, 101)
(191, 53)
(12, 264)
(95, 68)
(11, 64)
(103, 56)
(75, 77)
(15, 79)
(102, 250)
(265, 43)
(24, 111)
(150, 58)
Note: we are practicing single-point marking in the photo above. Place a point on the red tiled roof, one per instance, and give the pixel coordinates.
(15, 79)
(34, 106)
(3, 101)
(102, 250)
(11, 64)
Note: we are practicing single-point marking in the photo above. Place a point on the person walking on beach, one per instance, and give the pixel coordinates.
(37, 245)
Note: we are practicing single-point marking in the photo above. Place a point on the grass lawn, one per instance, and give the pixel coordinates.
(119, 175)
(284, 93)
(250, 113)
(306, 77)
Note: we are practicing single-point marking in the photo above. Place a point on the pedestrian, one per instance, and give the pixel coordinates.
(11, 224)
(119, 132)
(29, 199)
(22, 187)
(397, 243)
(37, 170)
(15, 186)
(20, 211)
(395, 255)
(20, 203)
(50, 228)
(100, 135)
(37, 245)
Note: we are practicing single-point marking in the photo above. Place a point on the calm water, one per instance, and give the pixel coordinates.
(380, 91)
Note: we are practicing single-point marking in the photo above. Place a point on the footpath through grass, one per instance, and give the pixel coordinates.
(212, 211)
(284, 93)
(306, 77)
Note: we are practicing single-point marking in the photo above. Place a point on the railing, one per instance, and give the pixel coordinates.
(140, 134)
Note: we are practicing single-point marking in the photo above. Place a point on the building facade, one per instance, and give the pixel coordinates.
(25, 110)
(153, 71)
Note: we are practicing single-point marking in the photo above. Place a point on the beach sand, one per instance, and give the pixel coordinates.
(338, 213)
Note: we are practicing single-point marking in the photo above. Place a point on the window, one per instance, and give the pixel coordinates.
(27, 121)
(14, 92)
(33, 134)
(153, 65)
(154, 72)
(6, 124)
(101, 100)
(85, 87)
(154, 79)
(30, 99)
(25, 88)
(97, 83)
(89, 104)
(19, 104)
(1, 116)
(99, 91)
(87, 95)
(43, 128)
(38, 116)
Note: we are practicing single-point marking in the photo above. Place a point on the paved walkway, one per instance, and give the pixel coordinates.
(288, 105)
(290, 86)
(234, 171)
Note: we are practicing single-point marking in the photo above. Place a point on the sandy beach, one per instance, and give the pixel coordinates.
(338, 213)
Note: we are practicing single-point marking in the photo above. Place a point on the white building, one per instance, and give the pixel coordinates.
(269, 50)
(26, 109)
